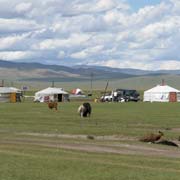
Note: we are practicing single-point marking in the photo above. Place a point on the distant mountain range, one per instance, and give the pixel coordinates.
(41, 72)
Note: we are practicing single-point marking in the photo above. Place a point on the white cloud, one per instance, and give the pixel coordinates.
(23, 7)
(169, 65)
(87, 53)
(105, 4)
(165, 28)
(17, 25)
(77, 31)
(79, 55)
(176, 6)
(61, 54)
(14, 41)
(15, 55)
(116, 17)
(94, 6)
(150, 14)
(7, 42)
(73, 40)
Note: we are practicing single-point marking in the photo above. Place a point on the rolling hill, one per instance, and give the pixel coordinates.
(36, 72)
(38, 76)
(41, 72)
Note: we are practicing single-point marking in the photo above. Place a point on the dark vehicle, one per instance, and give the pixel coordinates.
(126, 95)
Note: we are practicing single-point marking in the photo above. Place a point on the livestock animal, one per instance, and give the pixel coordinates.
(85, 109)
(52, 105)
(152, 137)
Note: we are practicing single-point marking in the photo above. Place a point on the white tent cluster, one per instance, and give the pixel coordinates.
(51, 94)
(162, 93)
(159, 93)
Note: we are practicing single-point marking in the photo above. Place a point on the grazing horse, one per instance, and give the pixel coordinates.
(52, 105)
(85, 110)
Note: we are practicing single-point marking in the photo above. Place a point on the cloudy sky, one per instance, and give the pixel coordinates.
(142, 34)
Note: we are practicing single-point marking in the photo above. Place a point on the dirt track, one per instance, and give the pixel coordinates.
(98, 145)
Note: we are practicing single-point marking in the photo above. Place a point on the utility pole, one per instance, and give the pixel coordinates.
(92, 81)
(106, 88)
(52, 84)
(91, 84)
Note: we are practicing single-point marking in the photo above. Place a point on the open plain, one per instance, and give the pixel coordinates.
(38, 143)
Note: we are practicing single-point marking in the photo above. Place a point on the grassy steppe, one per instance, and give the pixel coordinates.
(28, 161)
(132, 119)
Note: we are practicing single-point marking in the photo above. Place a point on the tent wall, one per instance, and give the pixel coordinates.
(65, 97)
(162, 93)
(5, 97)
(162, 97)
(156, 97)
(53, 97)
(178, 97)
(10, 97)
(51, 94)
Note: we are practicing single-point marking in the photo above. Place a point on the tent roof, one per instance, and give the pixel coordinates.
(76, 91)
(9, 90)
(51, 91)
(162, 88)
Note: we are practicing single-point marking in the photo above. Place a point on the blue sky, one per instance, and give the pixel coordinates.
(137, 4)
(115, 33)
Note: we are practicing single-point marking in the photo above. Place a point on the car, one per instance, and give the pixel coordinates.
(126, 95)
(106, 98)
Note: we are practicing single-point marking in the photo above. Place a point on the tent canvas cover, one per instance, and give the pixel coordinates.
(10, 94)
(9, 90)
(51, 93)
(162, 93)
(77, 91)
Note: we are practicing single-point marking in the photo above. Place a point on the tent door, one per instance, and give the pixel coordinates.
(13, 97)
(18, 97)
(59, 97)
(172, 97)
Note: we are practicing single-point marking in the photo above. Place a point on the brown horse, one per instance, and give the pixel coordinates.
(53, 105)
(152, 137)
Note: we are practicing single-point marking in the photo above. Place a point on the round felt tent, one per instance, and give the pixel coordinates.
(10, 94)
(77, 91)
(162, 93)
(51, 94)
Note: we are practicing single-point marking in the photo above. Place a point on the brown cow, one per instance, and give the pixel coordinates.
(52, 105)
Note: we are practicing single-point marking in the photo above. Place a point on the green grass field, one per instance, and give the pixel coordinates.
(32, 145)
